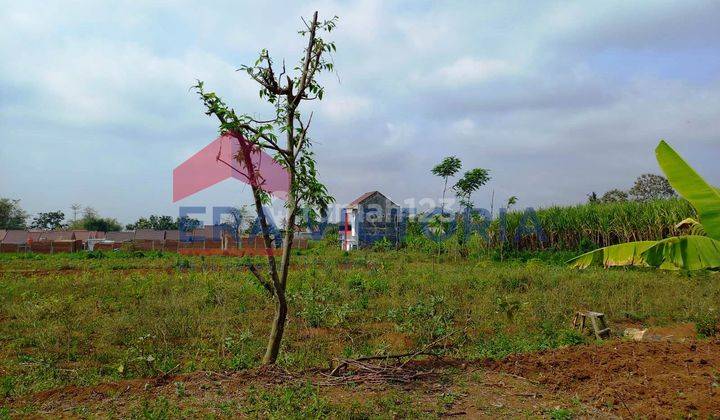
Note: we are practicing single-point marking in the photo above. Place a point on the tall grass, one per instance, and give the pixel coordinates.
(597, 225)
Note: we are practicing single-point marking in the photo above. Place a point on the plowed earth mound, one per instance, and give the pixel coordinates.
(631, 379)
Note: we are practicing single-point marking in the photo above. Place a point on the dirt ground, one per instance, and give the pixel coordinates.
(630, 379)
(626, 379)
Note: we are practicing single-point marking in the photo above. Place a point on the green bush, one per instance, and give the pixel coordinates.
(382, 245)
(95, 255)
(707, 325)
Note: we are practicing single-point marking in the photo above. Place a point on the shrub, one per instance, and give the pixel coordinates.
(516, 283)
(95, 255)
(707, 324)
(382, 245)
(182, 263)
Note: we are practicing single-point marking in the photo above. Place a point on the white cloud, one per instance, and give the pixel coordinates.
(471, 70)
(425, 33)
(467, 71)
(345, 108)
(464, 127)
(399, 135)
(91, 84)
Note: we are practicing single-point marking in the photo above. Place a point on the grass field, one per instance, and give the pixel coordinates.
(83, 320)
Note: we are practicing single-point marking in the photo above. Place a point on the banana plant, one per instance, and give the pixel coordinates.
(700, 250)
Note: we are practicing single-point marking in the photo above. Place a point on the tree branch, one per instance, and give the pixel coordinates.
(303, 133)
(280, 76)
(308, 55)
(272, 144)
(263, 282)
(262, 121)
(316, 63)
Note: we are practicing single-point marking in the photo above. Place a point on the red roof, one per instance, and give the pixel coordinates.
(362, 198)
(57, 235)
(83, 235)
(16, 237)
(120, 236)
(149, 235)
(367, 195)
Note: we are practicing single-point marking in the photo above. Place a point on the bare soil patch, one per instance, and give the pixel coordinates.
(630, 379)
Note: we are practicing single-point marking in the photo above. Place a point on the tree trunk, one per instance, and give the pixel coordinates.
(442, 205)
(278, 328)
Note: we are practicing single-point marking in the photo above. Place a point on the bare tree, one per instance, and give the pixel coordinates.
(90, 213)
(285, 93)
(237, 219)
(75, 209)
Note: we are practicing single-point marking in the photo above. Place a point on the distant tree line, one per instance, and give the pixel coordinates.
(647, 187)
(156, 222)
(12, 216)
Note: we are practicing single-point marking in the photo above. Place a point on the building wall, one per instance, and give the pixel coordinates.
(346, 244)
(377, 218)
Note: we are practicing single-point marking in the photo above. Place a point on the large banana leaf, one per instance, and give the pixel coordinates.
(704, 197)
(684, 253)
(630, 253)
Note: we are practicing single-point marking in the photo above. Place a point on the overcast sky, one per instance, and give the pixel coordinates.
(557, 99)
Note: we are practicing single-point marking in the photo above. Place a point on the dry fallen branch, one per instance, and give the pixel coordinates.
(376, 370)
(371, 374)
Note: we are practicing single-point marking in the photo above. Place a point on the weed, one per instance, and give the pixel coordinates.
(7, 386)
(182, 263)
(180, 389)
(560, 414)
(382, 245)
(95, 255)
(430, 319)
(508, 306)
(295, 401)
(519, 283)
(159, 408)
(707, 324)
